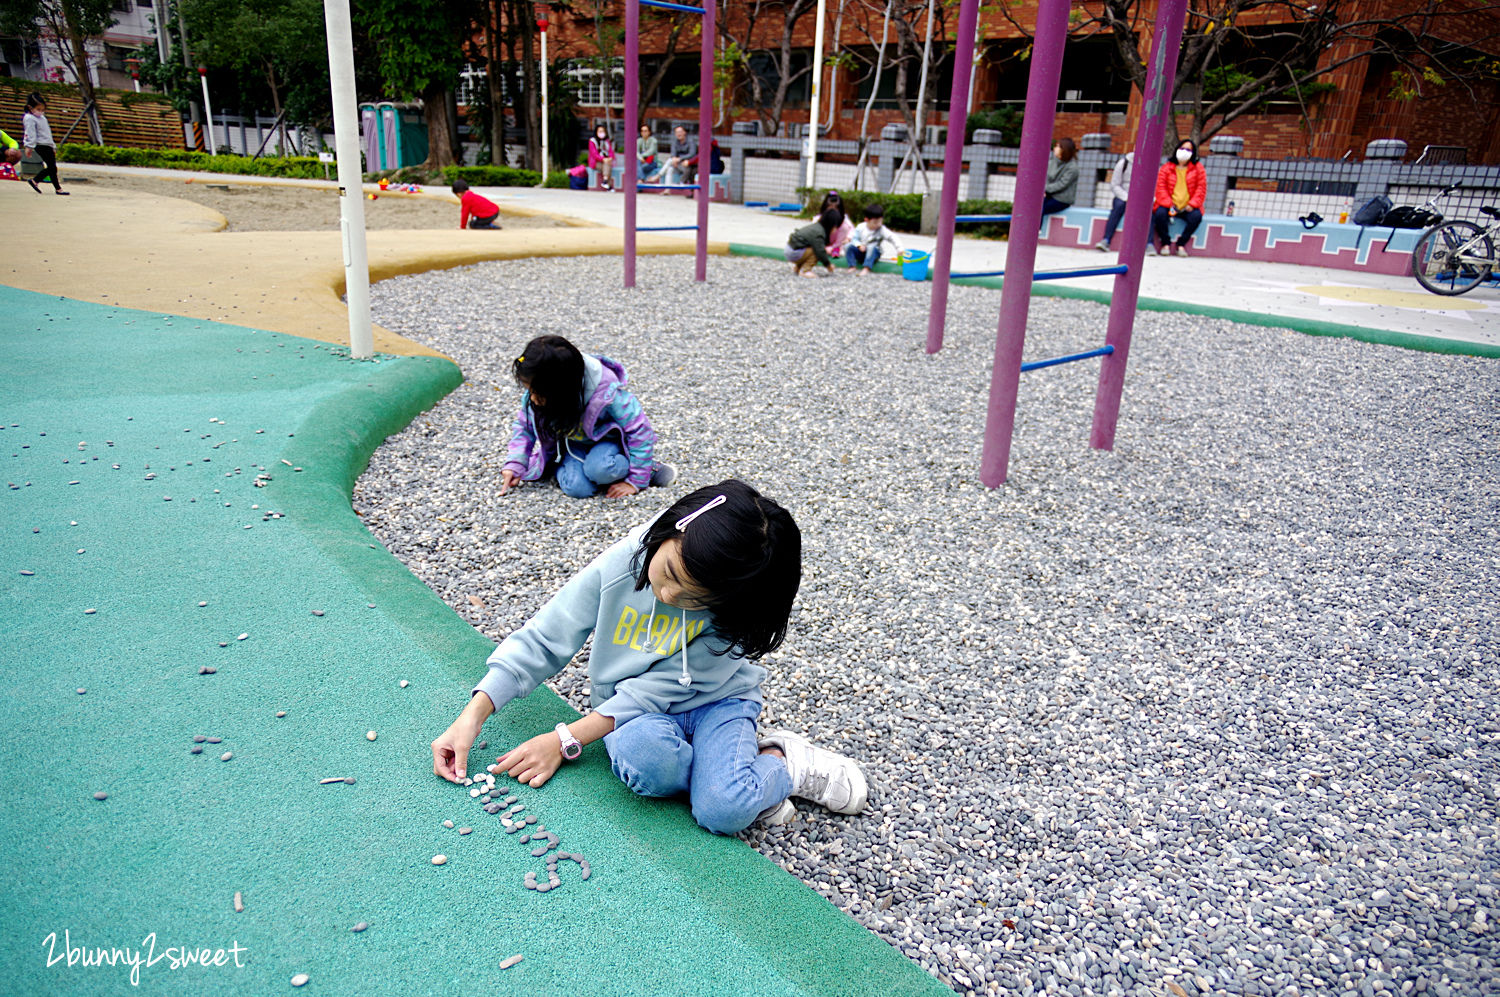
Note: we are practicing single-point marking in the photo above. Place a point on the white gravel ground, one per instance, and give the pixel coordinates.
(1214, 713)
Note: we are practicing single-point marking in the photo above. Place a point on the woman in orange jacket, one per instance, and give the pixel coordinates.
(1181, 186)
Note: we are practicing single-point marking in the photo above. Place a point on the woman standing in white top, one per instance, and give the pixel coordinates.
(38, 140)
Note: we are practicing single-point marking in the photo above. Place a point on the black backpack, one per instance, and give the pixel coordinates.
(1407, 216)
(1373, 212)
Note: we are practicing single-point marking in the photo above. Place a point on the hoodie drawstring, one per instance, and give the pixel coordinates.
(686, 678)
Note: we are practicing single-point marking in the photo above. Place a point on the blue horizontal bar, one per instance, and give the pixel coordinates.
(1046, 274)
(666, 186)
(1091, 272)
(757, 204)
(671, 6)
(1102, 351)
(981, 218)
(664, 228)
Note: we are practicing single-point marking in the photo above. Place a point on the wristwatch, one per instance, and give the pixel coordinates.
(571, 749)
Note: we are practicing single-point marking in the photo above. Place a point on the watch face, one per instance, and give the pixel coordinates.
(572, 750)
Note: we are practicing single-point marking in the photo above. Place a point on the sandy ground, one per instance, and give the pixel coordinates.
(254, 207)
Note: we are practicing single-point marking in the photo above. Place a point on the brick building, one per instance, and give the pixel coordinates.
(1363, 104)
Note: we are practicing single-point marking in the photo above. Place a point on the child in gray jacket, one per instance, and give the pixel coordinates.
(680, 610)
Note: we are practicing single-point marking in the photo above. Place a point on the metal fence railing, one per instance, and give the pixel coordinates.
(771, 169)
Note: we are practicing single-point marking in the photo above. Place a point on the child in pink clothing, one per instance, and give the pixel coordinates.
(474, 211)
(602, 157)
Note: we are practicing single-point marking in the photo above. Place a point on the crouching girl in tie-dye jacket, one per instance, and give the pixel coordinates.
(579, 423)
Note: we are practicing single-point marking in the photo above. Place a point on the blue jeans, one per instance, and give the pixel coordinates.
(1161, 220)
(710, 753)
(854, 256)
(1116, 212)
(582, 473)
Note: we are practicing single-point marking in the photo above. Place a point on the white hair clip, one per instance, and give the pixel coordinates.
(682, 524)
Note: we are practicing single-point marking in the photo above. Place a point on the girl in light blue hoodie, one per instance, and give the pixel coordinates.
(680, 610)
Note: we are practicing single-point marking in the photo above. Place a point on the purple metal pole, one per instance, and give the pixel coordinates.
(1020, 257)
(705, 139)
(632, 126)
(1161, 76)
(953, 154)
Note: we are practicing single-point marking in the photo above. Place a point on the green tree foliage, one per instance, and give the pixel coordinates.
(271, 46)
(72, 22)
(417, 49)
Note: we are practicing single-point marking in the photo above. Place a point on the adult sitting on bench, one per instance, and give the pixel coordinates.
(682, 164)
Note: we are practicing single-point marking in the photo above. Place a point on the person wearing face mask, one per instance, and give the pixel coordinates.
(1181, 186)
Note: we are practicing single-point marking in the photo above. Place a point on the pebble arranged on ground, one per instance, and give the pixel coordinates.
(1218, 708)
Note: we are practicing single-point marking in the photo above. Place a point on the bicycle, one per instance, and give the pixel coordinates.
(1455, 257)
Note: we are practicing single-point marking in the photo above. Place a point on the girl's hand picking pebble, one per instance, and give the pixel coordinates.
(620, 489)
(509, 480)
(533, 761)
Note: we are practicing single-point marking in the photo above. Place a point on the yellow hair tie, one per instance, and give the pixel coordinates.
(520, 359)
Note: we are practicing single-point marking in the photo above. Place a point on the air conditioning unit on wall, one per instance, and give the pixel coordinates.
(936, 134)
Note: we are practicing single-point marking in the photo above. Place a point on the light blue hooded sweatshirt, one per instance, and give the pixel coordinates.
(639, 658)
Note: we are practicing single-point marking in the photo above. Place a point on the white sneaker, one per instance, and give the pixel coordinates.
(664, 474)
(782, 813)
(1102, 246)
(819, 775)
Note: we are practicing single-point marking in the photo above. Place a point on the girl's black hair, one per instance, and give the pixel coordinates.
(1190, 142)
(33, 99)
(1069, 149)
(746, 554)
(832, 199)
(552, 368)
(831, 219)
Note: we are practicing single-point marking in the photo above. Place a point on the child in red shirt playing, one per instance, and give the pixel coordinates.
(482, 209)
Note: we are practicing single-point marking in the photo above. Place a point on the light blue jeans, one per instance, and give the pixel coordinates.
(860, 256)
(710, 753)
(582, 473)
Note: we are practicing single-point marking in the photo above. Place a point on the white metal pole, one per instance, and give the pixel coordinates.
(546, 162)
(817, 88)
(208, 109)
(351, 179)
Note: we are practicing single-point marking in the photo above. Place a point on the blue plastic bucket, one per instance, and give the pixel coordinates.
(915, 264)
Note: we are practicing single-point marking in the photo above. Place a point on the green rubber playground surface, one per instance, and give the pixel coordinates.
(132, 444)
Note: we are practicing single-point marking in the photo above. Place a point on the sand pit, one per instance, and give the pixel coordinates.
(260, 207)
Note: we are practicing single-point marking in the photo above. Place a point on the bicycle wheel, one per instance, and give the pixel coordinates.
(1453, 258)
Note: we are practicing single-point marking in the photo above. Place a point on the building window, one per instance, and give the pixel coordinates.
(473, 84)
(597, 87)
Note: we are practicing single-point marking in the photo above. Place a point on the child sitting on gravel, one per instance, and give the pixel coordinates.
(675, 694)
(578, 422)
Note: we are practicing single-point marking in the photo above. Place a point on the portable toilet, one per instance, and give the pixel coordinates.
(403, 135)
(369, 130)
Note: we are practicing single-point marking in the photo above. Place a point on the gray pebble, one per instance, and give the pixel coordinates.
(319, 612)
(280, 713)
(466, 830)
(226, 756)
(349, 780)
(101, 795)
(81, 691)
(447, 823)
(196, 749)
(530, 819)
(214, 740)
(199, 739)
(361, 926)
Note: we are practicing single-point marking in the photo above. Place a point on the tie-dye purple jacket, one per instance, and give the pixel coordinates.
(612, 412)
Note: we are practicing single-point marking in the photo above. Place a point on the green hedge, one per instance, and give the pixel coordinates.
(903, 212)
(180, 159)
(492, 176)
